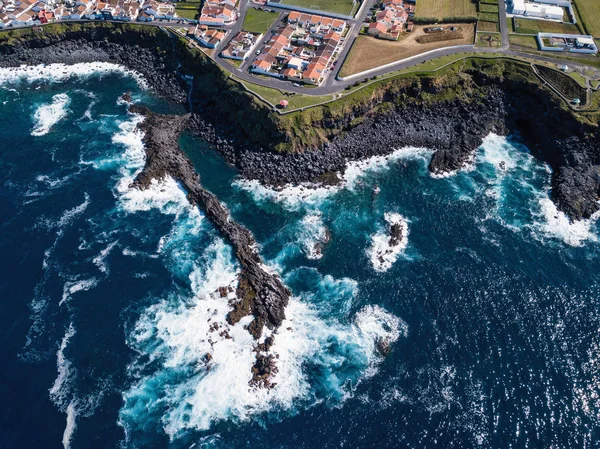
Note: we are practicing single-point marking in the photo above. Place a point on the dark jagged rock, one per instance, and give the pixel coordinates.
(453, 129)
(263, 369)
(264, 295)
(383, 346)
(396, 234)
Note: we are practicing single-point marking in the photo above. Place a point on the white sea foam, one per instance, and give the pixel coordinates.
(554, 224)
(356, 170)
(307, 195)
(166, 195)
(312, 234)
(48, 115)
(181, 336)
(99, 260)
(70, 426)
(61, 72)
(513, 164)
(72, 287)
(381, 253)
(292, 197)
(58, 392)
(131, 138)
(52, 183)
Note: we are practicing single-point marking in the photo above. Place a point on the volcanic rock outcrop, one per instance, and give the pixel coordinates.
(260, 293)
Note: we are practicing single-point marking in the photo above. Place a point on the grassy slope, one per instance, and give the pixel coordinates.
(314, 125)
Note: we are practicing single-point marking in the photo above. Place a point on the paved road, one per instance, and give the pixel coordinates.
(503, 25)
(329, 85)
(332, 84)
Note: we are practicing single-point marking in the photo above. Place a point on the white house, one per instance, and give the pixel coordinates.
(537, 10)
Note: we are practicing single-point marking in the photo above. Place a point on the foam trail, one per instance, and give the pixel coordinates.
(76, 286)
(70, 426)
(48, 115)
(58, 391)
(58, 73)
(99, 260)
(381, 253)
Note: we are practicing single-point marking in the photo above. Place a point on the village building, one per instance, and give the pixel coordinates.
(158, 10)
(536, 10)
(208, 37)
(392, 20)
(573, 43)
(218, 13)
(241, 46)
(302, 50)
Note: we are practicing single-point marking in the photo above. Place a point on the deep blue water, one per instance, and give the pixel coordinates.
(107, 296)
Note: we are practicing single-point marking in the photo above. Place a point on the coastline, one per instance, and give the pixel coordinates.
(450, 114)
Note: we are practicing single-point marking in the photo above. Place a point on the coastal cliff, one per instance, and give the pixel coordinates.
(450, 111)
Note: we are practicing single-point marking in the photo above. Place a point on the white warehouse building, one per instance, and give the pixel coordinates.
(538, 10)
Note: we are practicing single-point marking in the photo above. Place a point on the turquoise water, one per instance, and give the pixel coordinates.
(490, 303)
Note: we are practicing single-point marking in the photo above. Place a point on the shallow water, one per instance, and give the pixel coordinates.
(491, 303)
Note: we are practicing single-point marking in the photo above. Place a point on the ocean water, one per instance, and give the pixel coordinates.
(490, 302)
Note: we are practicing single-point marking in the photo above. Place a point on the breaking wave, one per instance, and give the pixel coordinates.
(48, 115)
(57, 73)
(519, 185)
(199, 354)
(309, 196)
(382, 253)
(313, 235)
(554, 224)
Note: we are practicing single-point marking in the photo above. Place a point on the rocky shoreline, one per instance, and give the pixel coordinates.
(454, 129)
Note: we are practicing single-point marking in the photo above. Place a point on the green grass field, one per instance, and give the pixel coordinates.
(443, 9)
(525, 26)
(486, 7)
(188, 9)
(488, 16)
(346, 7)
(589, 13)
(492, 27)
(523, 41)
(258, 21)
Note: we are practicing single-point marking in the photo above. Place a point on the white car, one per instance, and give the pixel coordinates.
(297, 84)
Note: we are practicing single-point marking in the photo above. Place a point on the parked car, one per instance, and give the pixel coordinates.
(297, 84)
(257, 52)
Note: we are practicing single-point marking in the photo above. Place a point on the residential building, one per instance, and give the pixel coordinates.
(302, 50)
(240, 46)
(208, 37)
(536, 10)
